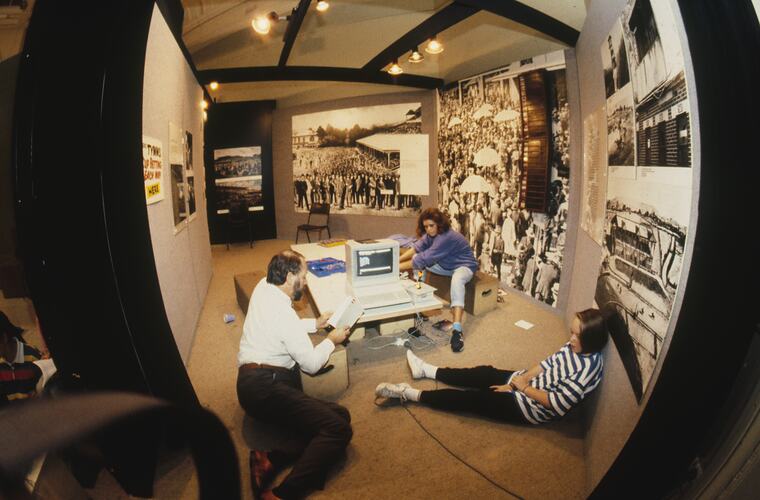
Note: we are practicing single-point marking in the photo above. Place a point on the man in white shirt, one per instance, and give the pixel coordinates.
(274, 345)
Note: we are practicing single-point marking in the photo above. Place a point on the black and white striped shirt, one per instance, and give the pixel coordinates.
(567, 377)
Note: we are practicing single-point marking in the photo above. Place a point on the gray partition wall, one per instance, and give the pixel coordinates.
(171, 94)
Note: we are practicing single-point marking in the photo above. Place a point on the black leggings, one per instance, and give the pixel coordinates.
(482, 401)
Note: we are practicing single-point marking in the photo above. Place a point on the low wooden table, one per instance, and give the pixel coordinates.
(329, 291)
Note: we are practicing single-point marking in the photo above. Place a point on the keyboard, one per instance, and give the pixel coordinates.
(384, 299)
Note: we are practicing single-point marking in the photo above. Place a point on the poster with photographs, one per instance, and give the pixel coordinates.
(189, 174)
(362, 161)
(647, 215)
(621, 139)
(594, 176)
(153, 160)
(237, 179)
(480, 141)
(179, 205)
(177, 171)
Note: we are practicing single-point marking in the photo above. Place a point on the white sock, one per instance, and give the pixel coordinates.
(420, 369)
(412, 394)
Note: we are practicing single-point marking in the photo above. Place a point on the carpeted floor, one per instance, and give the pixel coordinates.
(397, 451)
(391, 454)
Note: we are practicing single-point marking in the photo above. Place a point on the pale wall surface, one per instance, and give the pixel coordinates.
(183, 260)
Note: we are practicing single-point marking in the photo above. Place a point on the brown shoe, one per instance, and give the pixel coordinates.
(262, 472)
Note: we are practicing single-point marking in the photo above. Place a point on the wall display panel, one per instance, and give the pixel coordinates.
(594, 177)
(648, 203)
(237, 173)
(480, 165)
(189, 175)
(153, 162)
(177, 176)
(362, 161)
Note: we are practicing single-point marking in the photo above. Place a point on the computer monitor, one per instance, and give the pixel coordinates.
(371, 262)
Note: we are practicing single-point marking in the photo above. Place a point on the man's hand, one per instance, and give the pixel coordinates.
(322, 320)
(338, 336)
(501, 388)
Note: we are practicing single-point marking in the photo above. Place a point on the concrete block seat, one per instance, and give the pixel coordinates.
(480, 292)
(327, 385)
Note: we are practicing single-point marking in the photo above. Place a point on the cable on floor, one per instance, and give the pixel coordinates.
(440, 443)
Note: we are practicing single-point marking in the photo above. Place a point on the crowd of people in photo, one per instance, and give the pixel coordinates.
(237, 167)
(347, 178)
(522, 248)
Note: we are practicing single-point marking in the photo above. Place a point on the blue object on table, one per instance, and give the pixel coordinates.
(229, 318)
(325, 267)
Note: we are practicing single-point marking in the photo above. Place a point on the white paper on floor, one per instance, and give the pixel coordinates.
(524, 324)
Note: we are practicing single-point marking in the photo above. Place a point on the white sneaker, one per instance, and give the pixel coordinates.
(415, 364)
(386, 390)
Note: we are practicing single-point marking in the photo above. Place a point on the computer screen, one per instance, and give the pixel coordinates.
(374, 262)
(371, 262)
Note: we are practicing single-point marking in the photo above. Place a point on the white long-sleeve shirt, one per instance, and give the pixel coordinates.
(273, 334)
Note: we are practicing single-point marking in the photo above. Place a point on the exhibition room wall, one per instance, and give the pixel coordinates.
(353, 226)
(617, 407)
(182, 251)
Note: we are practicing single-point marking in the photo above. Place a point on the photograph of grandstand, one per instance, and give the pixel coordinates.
(237, 179)
(641, 265)
(352, 159)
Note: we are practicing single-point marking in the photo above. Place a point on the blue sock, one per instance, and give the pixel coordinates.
(458, 326)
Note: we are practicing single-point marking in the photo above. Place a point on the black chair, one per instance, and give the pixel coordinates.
(238, 217)
(322, 213)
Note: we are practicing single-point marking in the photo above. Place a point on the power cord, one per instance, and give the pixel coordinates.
(440, 443)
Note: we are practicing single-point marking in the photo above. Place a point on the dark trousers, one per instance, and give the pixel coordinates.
(482, 401)
(496, 259)
(276, 397)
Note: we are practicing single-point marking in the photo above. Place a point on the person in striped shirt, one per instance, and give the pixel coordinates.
(540, 394)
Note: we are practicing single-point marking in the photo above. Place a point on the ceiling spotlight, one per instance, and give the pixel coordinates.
(213, 85)
(434, 46)
(262, 24)
(204, 104)
(205, 116)
(416, 56)
(395, 69)
(322, 5)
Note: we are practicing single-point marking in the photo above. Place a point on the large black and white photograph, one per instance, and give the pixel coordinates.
(179, 204)
(647, 214)
(645, 233)
(615, 61)
(189, 175)
(480, 165)
(237, 179)
(177, 172)
(361, 161)
(663, 129)
(620, 129)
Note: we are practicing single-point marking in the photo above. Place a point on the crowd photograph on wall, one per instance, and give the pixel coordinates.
(480, 151)
(348, 159)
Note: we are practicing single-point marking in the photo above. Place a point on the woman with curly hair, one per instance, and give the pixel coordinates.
(443, 251)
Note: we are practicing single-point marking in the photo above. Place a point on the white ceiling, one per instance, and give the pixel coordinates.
(349, 34)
